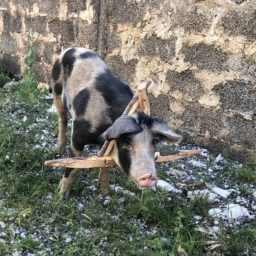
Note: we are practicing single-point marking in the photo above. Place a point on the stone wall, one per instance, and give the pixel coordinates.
(200, 53)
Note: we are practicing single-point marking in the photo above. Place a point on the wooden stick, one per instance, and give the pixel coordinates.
(179, 155)
(107, 161)
(144, 102)
(82, 162)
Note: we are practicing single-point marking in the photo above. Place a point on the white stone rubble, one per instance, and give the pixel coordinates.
(167, 186)
(231, 212)
(219, 191)
(211, 197)
(197, 164)
(254, 195)
(219, 159)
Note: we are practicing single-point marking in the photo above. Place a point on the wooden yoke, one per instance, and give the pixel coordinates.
(103, 159)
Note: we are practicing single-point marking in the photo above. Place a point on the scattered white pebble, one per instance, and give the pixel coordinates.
(24, 119)
(22, 235)
(215, 230)
(197, 164)
(219, 191)
(231, 211)
(197, 217)
(254, 207)
(167, 186)
(254, 195)
(68, 239)
(219, 159)
(3, 234)
(241, 201)
(2, 224)
(119, 189)
(210, 170)
(176, 173)
(52, 109)
(204, 152)
(80, 206)
(211, 197)
(107, 200)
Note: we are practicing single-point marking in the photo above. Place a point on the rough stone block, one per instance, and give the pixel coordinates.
(155, 46)
(41, 73)
(75, 6)
(112, 41)
(202, 119)
(12, 23)
(185, 82)
(237, 95)
(47, 52)
(37, 24)
(24, 4)
(51, 8)
(117, 66)
(87, 35)
(64, 28)
(5, 4)
(235, 23)
(160, 106)
(8, 44)
(10, 64)
(244, 133)
(205, 56)
(42, 52)
(122, 11)
(192, 21)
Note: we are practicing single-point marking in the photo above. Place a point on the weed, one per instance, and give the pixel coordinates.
(27, 88)
(3, 78)
(240, 241)
(247, 173)
(200, 205)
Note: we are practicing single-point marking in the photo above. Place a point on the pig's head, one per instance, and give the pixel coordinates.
(134, 149)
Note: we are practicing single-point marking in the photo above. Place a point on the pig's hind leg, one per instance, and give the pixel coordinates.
(78, 140)
(62, 116)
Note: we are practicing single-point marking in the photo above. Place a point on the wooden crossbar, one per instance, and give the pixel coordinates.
(107, 161)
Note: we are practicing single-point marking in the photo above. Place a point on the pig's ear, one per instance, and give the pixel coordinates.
(161, 128)
(123, 125)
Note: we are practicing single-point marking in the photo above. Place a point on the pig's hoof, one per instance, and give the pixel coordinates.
(57, 156)
(64, 188)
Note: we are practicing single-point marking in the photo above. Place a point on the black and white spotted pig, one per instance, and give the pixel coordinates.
(85, 88)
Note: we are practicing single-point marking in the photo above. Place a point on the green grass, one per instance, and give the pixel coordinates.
(147, 224)
(247, 173)
(3, 78)
(38, 221)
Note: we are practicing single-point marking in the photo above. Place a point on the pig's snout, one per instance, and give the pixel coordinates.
(147, 180)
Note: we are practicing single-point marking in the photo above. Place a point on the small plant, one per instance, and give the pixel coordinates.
(241, 241)
(28, 83)
(200, 205)
(3, 78)
(247, 173)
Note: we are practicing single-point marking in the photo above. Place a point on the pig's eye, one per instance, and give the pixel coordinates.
(126, 140)
(155, 141)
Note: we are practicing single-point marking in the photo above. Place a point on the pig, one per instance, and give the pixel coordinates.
(86, 90)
